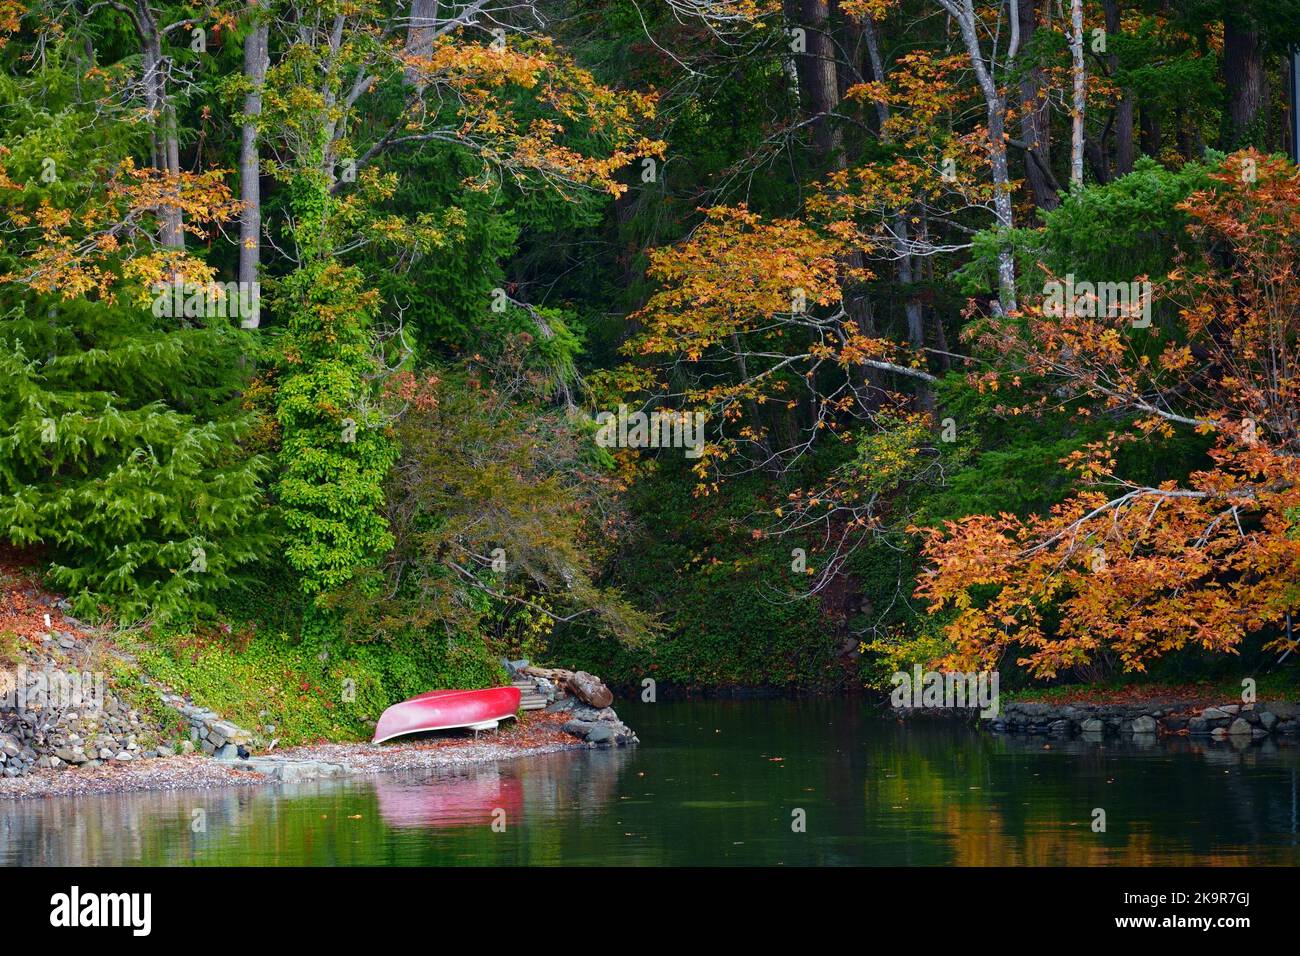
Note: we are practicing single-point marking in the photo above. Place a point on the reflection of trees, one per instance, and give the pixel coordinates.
(717, 786)
(407, 818)
(1028, 801)
(120, 829)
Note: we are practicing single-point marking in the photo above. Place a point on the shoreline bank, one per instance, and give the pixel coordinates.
(292, 765)
(1156, 716)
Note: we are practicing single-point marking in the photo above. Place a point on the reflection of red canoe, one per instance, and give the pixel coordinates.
(451, 802)
(444, 709)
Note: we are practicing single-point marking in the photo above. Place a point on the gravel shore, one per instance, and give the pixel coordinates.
(538, 735)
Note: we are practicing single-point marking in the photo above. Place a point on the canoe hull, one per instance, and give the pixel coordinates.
(448, 709)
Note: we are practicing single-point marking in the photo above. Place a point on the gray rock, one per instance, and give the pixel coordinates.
(578, 728)
(1240, 727)
(593, 714)
(600, 733)
(1267, 719)
(1233, 709)
(1144, 725)
(10, 745)
(1214, 713)
(227, 752)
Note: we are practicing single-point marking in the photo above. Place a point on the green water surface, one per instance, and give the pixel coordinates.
(718, 783)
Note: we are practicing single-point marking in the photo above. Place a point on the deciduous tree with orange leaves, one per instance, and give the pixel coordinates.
(1132, 570)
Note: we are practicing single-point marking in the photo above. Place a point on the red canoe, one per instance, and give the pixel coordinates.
(444, 709)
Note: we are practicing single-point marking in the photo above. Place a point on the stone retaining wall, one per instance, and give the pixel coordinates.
(1237, 721)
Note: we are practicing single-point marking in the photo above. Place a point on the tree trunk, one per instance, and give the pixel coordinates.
(1243, 72)
(963, 11)
(1035, 120)
(1124, 108)
(420, 32)
(818, 76)
(166, 145)
(1151, 134)
(256, 57)
(1079, 99)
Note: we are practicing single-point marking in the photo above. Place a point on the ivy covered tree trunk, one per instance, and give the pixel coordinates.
(334, 455)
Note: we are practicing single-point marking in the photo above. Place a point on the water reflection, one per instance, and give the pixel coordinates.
(717, 783)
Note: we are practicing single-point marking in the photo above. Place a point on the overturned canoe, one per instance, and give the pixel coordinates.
(445, 709)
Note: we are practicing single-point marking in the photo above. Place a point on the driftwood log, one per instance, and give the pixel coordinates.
(586, 687)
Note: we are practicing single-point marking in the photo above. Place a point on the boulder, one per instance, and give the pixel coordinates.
(1214, 713)
(1267, 719)
(588, 688)
(601, 733)
(1239, 728)
(1145, 724)
(579, 728)
(1093, 725)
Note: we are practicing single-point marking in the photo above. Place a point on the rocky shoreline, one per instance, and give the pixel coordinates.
(1153, 718)
(1237, 722)
(582, 698)
(296, 765)
(94, 741)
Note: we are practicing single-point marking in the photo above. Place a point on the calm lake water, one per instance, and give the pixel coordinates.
(718, 782)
